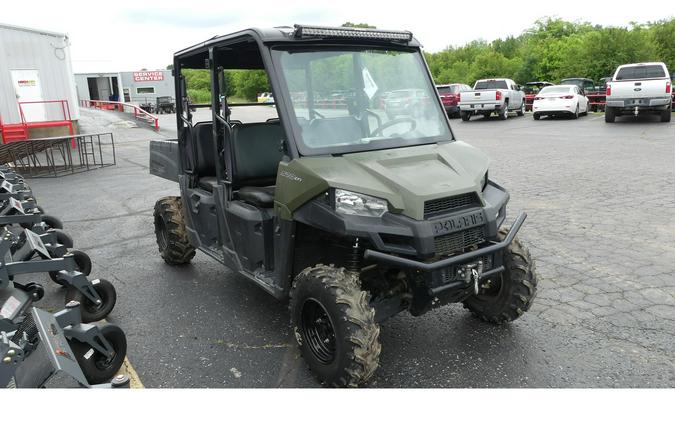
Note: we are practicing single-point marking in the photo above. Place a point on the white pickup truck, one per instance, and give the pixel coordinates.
(637, 88)
(492, 96)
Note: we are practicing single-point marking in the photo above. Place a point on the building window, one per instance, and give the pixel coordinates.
(145, 90)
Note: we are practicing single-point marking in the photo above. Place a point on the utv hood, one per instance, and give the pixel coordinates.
(405, 177)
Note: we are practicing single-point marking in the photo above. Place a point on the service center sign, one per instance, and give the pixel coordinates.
(148, 76)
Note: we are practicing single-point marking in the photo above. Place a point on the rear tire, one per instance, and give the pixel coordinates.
(96, 368)
(512, 292)
(610, 114)
(666, 115)
(536, 116)
(82, 262)
(575, 115)
(171, 233)
(504, 112)
(91, 312)
(466, 116)
(52, 222)
(335, 326)
(64, 238)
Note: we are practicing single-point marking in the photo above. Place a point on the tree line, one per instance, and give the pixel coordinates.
(552, 49)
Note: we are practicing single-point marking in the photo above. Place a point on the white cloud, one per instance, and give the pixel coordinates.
(130, 35)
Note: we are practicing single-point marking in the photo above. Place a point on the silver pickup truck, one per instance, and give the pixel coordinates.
(492, 96)
(638, 88)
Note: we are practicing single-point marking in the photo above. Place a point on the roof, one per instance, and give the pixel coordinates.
(273, 35)
(33, 30)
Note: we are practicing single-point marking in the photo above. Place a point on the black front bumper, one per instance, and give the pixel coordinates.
(412, 264)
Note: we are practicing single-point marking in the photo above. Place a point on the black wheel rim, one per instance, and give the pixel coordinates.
(162, 238)
(102, 363)
(318, 331)
(92, 307)
(492, 292)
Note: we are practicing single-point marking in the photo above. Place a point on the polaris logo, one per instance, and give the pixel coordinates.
(291, 176)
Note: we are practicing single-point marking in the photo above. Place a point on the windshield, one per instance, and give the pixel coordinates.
(454, 89)
(641, 72)
(480, 85)
(555, 90)
(350, 99)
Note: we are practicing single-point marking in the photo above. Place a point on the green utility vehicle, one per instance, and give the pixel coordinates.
(351, 214)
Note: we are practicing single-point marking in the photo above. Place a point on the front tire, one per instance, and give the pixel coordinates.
(510, 294)
(171, 233)
(96, 367)
(335, 326)
(521, 111)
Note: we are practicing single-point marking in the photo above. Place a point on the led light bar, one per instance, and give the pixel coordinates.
(373, 34)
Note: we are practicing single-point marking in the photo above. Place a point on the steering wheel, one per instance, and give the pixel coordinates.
(375, 115)
(390, 123)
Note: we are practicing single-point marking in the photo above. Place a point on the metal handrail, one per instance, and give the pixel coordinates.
(121, 106)
(65, 109)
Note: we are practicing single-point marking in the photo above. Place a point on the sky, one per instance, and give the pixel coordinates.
(126, 35)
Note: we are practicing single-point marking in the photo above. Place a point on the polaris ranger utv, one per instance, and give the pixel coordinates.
(353, 216)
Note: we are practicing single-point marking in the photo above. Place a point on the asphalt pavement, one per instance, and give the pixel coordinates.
(600, 200)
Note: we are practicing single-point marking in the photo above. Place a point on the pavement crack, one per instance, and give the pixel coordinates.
(131, 214)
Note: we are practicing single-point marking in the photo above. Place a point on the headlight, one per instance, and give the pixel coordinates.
(352, 203)
(485, 181)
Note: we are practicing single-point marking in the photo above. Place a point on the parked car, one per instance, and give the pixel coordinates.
(587, 85)
(639, 87)
(406, 102)
(450, 96)
(492, 96)
(264, 97)
(530, 90)
(559, 100)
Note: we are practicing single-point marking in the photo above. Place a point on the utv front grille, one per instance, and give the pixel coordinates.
(454, 242)
(443, 205)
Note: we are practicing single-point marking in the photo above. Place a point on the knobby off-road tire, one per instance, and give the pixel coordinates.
(335, 326)
(172, 238)
(513, 292)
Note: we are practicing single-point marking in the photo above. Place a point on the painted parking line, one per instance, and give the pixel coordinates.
(128, 370)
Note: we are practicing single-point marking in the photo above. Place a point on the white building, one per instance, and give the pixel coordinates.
(35, 66)
(137, 87)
